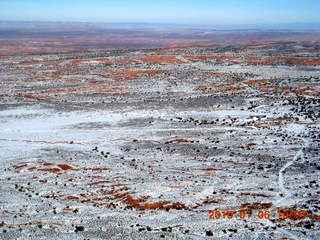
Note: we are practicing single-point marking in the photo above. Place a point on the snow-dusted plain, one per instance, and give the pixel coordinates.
(143, 144)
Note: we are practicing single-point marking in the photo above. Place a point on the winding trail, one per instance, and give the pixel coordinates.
(287, 193)
(282, 188)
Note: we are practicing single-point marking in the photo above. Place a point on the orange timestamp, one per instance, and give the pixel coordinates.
(281, 213)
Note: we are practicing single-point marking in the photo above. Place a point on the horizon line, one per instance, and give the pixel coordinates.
(265, 26)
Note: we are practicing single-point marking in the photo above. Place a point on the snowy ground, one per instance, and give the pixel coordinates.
(145, 155)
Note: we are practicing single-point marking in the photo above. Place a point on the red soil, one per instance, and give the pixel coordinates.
(218, 58)
(22, 165)
(68, 209)
(225, 89)
(51, 170)
(216, 73)
(31, 61)
(58, 168)
(285, 60)
(121, 193)
(98, 182)
(309, 90)
(65, 167)
(248, 145)
(160, 59)
(211, 169)
(135, 73)
(210, 201)
(179, 140)
(30, 96)
(47, 164)
(72, 198)
(254, 194)
(256, 205)
(258, 81)
(127, 61)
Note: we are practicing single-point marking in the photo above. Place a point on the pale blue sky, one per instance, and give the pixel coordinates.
(164, 11)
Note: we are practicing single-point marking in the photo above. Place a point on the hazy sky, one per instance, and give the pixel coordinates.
(164, 11)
